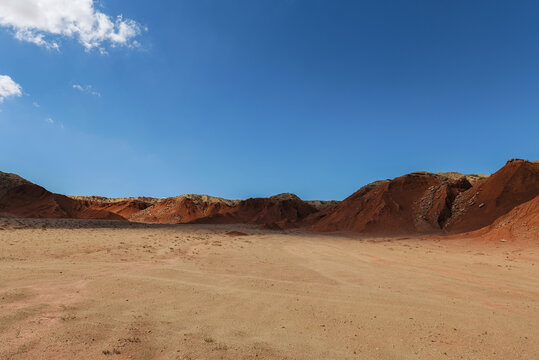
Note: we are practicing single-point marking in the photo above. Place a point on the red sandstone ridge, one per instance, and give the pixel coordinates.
(182, 209)
(21, 198)
(275, 212)
(125, 207)
(410, 204)
(417, 203)
(432, 203)
(515, 183)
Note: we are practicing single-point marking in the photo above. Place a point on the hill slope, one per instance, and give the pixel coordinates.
(278, 211)
(521, 223)
(515, 183)
(182, 209)
(413, 203)
(432, 203)
(416, 203)
(21, 198)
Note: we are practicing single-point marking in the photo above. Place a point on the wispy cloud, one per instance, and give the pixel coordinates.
(51, 121)
(44, 22)
(8, 88)
(36, 104)
(87, 89)
(35, 38)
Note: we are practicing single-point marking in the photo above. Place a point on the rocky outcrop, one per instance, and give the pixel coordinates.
(514, 184)
(415, 203)
(426, 203)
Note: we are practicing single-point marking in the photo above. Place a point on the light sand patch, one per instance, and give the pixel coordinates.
(89, 290)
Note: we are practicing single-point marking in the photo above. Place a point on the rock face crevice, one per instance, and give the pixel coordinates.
(514, 184)
(419, 202)
(435, 206)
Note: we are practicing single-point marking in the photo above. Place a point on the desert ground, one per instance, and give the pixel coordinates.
(90, 289)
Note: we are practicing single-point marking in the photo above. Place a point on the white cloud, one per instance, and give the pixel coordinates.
(87, 89)
(35, 38)
(49, 120)
(8, 87)
(36, 104)
(42, 22)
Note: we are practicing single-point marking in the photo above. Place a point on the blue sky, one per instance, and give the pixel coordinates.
(251, 98)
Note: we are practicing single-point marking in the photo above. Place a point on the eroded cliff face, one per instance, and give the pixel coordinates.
(514, 184)
(414, 203)
(423, 203)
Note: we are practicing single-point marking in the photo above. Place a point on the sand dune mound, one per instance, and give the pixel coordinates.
(415, 203)
(521, 223)
(515, 183)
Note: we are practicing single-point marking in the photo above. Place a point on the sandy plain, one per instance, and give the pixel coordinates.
(106, 290)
